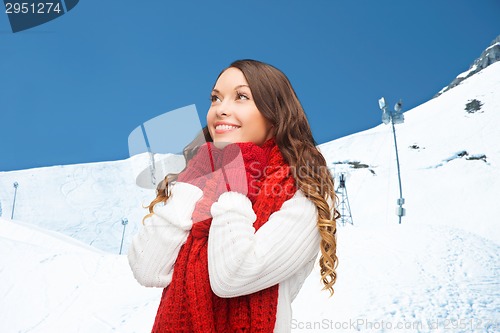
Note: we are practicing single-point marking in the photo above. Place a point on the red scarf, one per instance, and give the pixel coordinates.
(188, 304)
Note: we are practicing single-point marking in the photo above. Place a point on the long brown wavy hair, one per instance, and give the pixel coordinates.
(276, 99)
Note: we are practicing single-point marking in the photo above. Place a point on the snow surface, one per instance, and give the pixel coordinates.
(467, 72)
(436, 272)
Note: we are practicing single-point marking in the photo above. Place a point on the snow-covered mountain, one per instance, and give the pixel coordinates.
(450, 161)
(487, 57)
(84, 201)
(437, 271)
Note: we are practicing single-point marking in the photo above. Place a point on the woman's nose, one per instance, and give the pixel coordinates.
(222, 110)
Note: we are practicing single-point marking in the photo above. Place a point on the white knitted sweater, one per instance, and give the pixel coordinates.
(240, 260)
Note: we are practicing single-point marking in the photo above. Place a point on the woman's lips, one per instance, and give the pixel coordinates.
(224, 128)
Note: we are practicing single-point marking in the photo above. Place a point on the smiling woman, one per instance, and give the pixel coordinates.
(233, 116)
(232, 238)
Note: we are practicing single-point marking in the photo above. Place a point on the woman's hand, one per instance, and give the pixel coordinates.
(238, 167)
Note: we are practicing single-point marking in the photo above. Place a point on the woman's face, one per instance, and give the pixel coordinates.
(233, 116)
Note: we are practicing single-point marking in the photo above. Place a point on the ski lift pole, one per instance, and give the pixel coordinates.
(16, 185)
(152, 167)
(395, 117)
(124, 223)
(400, 210)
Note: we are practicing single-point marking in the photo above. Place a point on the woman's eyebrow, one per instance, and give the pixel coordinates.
(235, 88)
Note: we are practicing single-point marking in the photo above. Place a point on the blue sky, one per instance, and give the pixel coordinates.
(72, 90)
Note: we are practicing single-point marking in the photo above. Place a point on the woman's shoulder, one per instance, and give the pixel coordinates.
(300, 198)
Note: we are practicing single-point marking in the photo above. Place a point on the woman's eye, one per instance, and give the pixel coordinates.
(214, 98)
(242, 96)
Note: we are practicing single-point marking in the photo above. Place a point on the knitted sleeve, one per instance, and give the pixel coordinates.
(154, 249)
(242, 261)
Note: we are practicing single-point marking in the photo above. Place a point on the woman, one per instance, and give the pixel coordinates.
(233, 245)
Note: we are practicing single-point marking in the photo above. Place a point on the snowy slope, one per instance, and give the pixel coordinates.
(440, 269)
(52, 283)
(408, 275)
(436, 272)
(439, 186)
(84, 201)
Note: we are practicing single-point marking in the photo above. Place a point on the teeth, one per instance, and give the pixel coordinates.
(225, 127)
